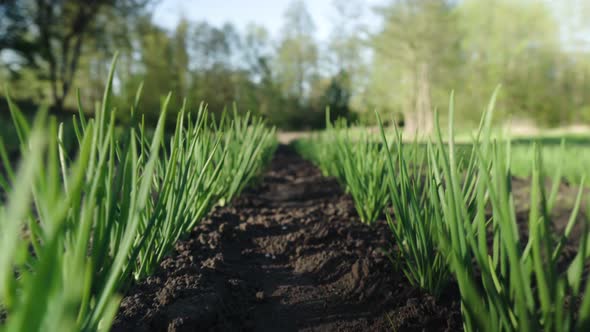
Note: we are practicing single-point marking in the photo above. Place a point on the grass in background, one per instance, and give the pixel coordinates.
(573, 159)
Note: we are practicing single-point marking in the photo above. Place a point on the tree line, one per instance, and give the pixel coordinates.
(405, 67)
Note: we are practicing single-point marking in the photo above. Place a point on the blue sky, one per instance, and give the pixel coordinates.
(241, 12)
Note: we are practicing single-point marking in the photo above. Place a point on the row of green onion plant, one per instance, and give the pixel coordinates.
(320, 148)
(357, 162)
(416, 217)
(76, 230)
(461, 218)
(516, 284)
(382, 175)
(248, 145)
(454, 217)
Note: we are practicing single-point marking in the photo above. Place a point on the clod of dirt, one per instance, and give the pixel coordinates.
(259, 296)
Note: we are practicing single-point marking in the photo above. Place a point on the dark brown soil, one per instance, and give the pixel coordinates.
(290, 255)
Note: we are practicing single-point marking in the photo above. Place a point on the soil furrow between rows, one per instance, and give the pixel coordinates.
(289, 255)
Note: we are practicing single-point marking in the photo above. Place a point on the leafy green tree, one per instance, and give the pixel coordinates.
(415, 54)
(337, 96)
(297, 53)
(215, 79)
(346, 46)
(181, 58)
(49, 35)
(519, 49)
(349, 54)
(157, 70)
(265, 92)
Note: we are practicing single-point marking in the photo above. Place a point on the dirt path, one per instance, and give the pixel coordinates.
(287, 256)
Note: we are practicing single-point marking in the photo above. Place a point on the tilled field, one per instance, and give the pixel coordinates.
(288, 255)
